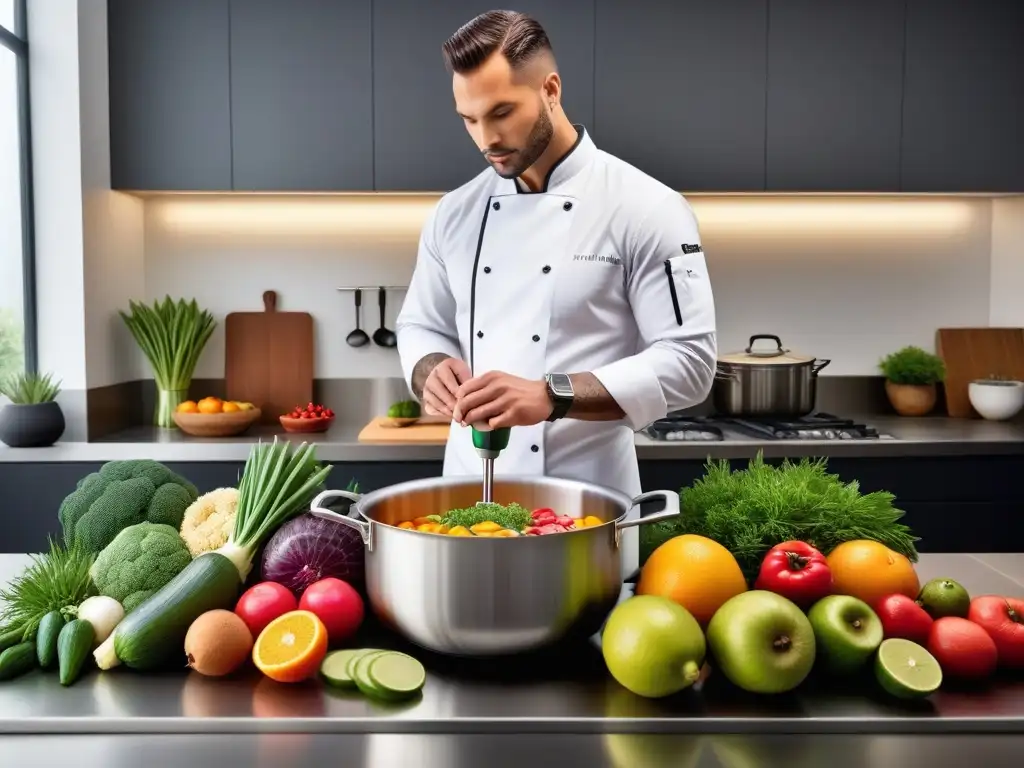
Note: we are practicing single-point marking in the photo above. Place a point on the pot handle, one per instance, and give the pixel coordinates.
(817, 365)
(317, 509)
(671, 509)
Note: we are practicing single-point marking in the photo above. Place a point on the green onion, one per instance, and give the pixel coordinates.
(279, 482)
(30, 389)
(172, 336)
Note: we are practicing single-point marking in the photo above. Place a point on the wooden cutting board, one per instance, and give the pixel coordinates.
(269, 358)
(977, 353)
(425, 432)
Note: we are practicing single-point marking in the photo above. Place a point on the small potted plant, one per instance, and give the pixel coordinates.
(33, 418)
(911, 375)
(997, 398)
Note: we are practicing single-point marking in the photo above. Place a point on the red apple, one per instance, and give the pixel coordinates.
(902, 617)
(1003, 619)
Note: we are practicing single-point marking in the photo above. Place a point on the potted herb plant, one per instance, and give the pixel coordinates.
(997, 398)
(33, 418)
(911, 375)
(172, 336)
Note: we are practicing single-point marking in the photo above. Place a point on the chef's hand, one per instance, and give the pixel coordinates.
(502, 400)
(442, 384)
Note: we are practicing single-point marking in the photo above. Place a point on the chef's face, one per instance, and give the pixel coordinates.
(507, 113)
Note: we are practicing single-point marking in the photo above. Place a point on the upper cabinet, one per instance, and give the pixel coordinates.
(963, 109)
(681, 90)
(170, 96)
(301, 95)
(834, 95)
(420, 142)
(705, 95)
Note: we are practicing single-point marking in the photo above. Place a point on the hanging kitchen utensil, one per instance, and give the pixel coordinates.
(766, 382)
(358, 337)
(384, 337)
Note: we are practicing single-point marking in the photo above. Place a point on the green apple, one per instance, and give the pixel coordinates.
(653, 646)
(762, 642)
(847, 632)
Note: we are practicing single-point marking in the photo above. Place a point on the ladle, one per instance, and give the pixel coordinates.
(358, 337)
(383, 336)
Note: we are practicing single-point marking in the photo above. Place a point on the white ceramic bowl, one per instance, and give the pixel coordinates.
(996, 400)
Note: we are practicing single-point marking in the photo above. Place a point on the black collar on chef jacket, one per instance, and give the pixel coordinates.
(566, 167)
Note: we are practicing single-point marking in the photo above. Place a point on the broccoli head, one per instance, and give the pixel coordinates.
(120, 494)
(140, 560)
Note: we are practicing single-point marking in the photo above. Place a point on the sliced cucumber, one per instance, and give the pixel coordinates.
(396, 676)
(361, 676)
(335, 667)
(350, 666)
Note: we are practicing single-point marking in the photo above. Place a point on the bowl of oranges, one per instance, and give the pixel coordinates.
(214, 417)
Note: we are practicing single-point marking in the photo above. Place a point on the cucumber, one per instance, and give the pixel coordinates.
(17, 660)
(10, 638)
(334, 668)
(361, 677)
(154, 633)
(46, 638)
(396, 676)
(74, 642)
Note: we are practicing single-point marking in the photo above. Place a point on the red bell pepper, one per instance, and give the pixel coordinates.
(797, 571)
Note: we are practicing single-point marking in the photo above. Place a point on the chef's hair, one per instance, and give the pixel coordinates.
(516, 35)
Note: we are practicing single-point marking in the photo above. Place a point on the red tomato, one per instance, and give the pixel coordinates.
(1003, 619)
(337, 604)
(963, 649)
(262, 603)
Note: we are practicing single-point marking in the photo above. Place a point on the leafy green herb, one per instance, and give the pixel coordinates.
(512, 516)
(749, 511)
(30, 389)
(913, 365)
(55, 581)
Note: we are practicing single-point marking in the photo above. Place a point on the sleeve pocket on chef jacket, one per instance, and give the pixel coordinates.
(679, 272)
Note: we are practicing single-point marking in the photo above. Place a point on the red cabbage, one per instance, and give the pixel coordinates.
(308, 548)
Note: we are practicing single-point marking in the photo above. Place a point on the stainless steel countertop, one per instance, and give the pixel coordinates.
(566, 691)
(929, 436)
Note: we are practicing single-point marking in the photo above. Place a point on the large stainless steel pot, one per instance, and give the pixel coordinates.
(771, 382)
(489, 596)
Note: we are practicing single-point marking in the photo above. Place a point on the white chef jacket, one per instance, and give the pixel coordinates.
(602, 270)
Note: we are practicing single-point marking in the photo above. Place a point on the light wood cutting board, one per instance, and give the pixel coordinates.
(426, 432)
(977, 353)
(269, 358)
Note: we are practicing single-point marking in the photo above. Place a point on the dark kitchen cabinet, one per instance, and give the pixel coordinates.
(835, 89)
(301, 95)
(421, 144)
(963, 110)
(681, 90)
(170, 120)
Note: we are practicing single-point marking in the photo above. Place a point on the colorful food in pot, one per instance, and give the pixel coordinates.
(499, 521)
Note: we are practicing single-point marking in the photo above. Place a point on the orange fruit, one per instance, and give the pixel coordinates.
(209, 405)
(694, 571)
(869, 570)
(189, 406)
(230, 407)
(291, 647)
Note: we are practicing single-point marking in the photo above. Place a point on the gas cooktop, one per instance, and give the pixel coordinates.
(816, 426)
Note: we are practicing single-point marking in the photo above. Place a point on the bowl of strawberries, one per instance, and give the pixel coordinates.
(312, 417)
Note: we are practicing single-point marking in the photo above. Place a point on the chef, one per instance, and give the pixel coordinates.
(561, 292)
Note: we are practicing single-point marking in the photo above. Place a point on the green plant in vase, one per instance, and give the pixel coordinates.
(172, 336)
(33, 418)
(911, 375)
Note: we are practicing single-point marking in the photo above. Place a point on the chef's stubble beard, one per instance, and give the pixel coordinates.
(536, 143)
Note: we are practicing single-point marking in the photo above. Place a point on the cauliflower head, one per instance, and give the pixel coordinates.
(210, 520)
(141, 559)
(120, 494)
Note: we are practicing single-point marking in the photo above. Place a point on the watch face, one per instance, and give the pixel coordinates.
(561, 385)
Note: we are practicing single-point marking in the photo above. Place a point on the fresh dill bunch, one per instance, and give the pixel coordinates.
(751, 510)
(513, 516)
(57, 580)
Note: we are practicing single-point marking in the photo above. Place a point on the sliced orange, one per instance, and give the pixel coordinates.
(291, 647)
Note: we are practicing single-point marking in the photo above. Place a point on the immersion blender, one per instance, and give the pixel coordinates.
(489, 443)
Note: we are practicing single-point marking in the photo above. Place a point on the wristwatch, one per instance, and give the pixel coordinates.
(561, 394)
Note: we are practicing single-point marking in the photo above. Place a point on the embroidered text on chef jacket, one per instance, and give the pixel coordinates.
(602, 270)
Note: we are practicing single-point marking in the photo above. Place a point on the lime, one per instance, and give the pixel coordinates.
(334, 667)
(944, 597)
(906, 670)
(396, 676)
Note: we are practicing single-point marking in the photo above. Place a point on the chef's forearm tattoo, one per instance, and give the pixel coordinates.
(591, 401)
(422, 370)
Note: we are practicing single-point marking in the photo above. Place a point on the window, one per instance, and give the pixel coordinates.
(17, 291)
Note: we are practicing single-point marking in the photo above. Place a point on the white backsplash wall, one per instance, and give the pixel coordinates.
(846, 278)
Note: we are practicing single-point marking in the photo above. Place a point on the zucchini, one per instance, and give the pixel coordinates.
(17, 660)
(154, 633)
(74, 642)
(46, 638)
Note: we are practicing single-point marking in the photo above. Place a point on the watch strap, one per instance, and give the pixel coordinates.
(561, 400)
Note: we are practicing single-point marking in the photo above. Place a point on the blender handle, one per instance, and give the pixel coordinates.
(490, 440)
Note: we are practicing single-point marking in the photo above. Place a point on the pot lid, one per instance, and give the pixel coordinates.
(765, 354)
